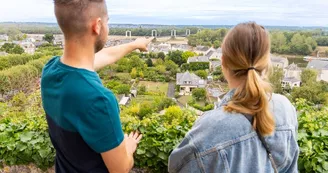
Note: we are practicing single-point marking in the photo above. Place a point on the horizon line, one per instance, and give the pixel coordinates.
(55, 23)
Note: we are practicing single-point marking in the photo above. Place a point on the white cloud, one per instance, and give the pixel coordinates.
(271, 12)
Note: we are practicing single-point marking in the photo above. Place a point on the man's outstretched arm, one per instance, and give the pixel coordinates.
(110, 55)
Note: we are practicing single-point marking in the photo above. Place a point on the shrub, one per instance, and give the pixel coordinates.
(312, 137)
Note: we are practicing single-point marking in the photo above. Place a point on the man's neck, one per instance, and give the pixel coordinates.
(79, 54)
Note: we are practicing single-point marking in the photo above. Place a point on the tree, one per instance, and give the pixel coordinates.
(49, 38)
(133, 73)
(123, 89)
(149, 62)
(141, 75)
(176, 57)
(12, 48)
(275, 79)
(199, 94)
(201, 73)
(312, 93)
(161, 69)
(217, 44)
(171, 66)
(187, 54)
(161, 55)
(278, 42)
(309, 77)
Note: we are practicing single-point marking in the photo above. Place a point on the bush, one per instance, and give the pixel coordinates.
(161, 133)
(312, 137)
(199, 93)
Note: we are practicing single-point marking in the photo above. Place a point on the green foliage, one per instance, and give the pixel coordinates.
(149, 62)
(309, 76)
(201, 73)
(118, 87)
(12, 48)
(199, 94)
(300, 43)
(133, 73)
(194, 66)
(218, 74)
(129, 62)
(24, 135)
(312, 92)
(161, 134)
(208, 37)
(171, 67)
(187, 54)
(322, 41)
(49, 38)
(275, 79)
(142, 90)
(312, 137)
(161, 55)
(13, 60)
(176, 57)
(21, 77)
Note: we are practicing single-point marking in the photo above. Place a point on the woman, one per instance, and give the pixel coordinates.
(228, 139)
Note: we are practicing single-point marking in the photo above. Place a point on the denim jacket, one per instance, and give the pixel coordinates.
(226, 142)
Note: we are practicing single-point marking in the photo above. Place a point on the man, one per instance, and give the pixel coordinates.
(83, 116)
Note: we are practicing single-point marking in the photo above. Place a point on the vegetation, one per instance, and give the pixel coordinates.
(208, 38)
(199, 94)
(12, 48)
(275, 79)
(49, 38)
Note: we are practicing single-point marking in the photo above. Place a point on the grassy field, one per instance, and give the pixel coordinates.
(145, 98)
(184, 99)
(155, 86)
(123, 76)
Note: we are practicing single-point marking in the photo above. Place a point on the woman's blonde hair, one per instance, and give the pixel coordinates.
(246, 51)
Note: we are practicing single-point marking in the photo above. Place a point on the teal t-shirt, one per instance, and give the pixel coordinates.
(83, 117)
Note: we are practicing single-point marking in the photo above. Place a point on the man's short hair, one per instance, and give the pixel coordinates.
(73, 15)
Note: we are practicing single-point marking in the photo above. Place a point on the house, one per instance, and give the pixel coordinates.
(291, 82)
(198, 59)
(279, 61)
(214, 65)
(3, 53)
(181, 47)
(293, 71)
(28, 47)
(214, 93)
(321, 67)
(124, 101)
(214, 54)
(163, 47)
(40, 43)
(134, 92)
(4, 37)
(189, 81)
(201, 50)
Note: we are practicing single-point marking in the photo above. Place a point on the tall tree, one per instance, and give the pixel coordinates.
(309, 76)
(49, 38)
(275, 79)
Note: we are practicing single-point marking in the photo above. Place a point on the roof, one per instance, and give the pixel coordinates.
(190, 78)
(198, 59)
(202, 48)
(124, 100)
(317, 64)
(214, 92)
(291, 79)
(293, 66)
(215, 64)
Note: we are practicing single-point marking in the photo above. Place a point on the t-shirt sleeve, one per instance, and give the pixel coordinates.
(101, 127)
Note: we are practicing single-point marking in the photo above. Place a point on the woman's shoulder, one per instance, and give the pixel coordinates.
(283, 111)
(218, 127)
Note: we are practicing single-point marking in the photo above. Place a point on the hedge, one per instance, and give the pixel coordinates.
(13, 60)
(21, 77)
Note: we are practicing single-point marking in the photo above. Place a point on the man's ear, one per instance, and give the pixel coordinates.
(96, 26)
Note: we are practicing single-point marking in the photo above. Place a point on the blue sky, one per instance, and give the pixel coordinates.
(185, 12)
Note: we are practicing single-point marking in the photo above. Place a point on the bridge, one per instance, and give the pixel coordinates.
(154, 33)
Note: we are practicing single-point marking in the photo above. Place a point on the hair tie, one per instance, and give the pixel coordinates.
(251, 68)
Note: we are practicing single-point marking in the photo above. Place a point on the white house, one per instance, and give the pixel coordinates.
(4, 37)
(291, 82)
(293, 71)
(189, 81)
(321, 67)
(214, 54)
(279, 61)
(181, 47)
(28, 47)
(198, 59)
(201, 50)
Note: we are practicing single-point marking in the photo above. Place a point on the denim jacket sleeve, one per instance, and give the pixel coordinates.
(183, 158)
